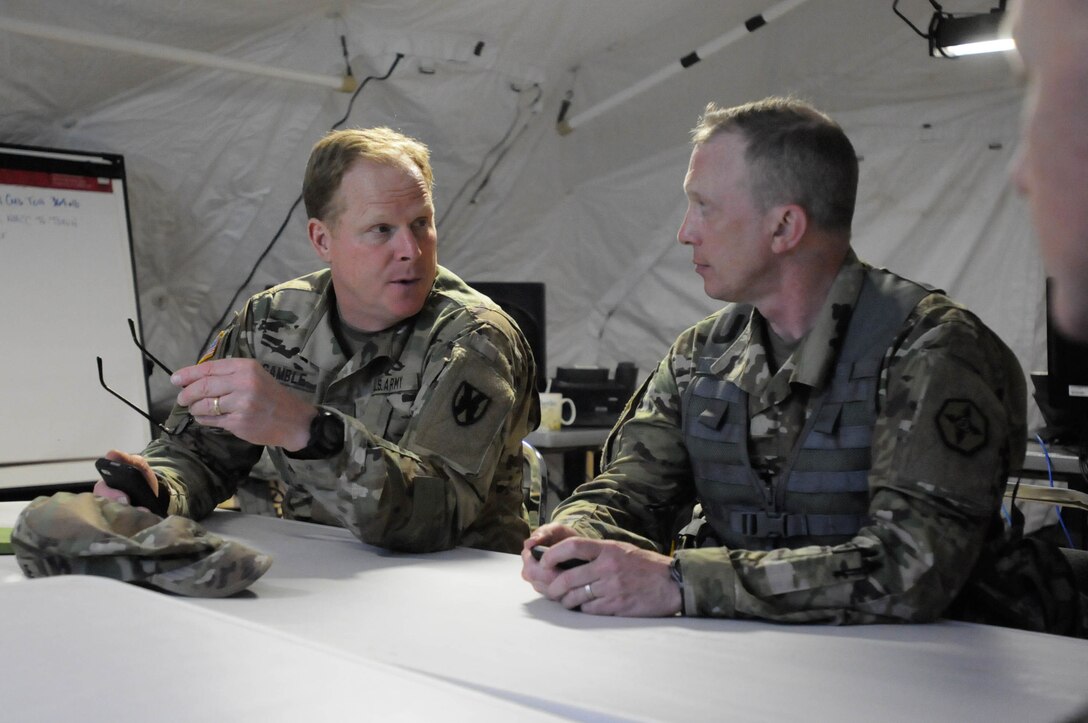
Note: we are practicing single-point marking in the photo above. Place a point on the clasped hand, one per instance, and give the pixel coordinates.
(617, 579)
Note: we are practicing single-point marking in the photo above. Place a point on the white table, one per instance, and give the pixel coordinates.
(81, 648)
(464, 616)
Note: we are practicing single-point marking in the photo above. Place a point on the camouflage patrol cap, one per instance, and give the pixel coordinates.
(84, 534)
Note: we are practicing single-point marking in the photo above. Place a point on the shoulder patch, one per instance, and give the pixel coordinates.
(962, 426)
(462, 414)
(468, 404)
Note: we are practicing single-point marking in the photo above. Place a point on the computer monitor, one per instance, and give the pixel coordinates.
(524, 302)
(1066, 405)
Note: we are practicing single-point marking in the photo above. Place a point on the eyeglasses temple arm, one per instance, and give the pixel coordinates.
(133, 407)
(143, 349)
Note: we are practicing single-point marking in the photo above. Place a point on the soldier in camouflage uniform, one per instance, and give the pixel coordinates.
(391, 397)
(845, 433)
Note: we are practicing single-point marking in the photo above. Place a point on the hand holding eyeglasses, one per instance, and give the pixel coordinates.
(239, 396)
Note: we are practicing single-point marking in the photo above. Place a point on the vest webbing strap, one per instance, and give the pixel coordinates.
(762, 524)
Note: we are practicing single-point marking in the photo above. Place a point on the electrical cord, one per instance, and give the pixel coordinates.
(279, 232)
(1004, 509)
(904, 18)
(505, 148)
(1050, 476)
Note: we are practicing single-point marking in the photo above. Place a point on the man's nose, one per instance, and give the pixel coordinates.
(684, 235)
(407, 246)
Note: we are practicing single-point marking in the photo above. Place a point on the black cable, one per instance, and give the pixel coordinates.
(287, 219)
(904, 18)
(483, 163)
(498, 160)
(502, 154)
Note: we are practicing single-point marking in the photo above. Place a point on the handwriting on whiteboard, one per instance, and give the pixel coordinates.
(32, 200)
(39, 209)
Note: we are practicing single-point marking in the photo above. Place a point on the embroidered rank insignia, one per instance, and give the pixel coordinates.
(469, 404)
(962, 426)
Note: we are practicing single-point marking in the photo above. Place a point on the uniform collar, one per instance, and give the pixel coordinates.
(745, 360)
(324, 350)
(816, 356)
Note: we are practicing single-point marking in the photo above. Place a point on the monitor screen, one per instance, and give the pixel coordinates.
(524, 302)
(1066, 405)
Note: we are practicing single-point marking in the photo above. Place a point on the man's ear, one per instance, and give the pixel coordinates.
(788, 226)
(320, 237)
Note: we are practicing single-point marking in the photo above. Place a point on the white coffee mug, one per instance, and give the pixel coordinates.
(552, 408)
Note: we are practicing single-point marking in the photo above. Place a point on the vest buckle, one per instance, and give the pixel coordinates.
(761, 524)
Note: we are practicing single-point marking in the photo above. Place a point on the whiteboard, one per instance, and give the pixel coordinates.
(67, 287)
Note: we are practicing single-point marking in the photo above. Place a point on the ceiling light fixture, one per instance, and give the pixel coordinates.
(952, 36)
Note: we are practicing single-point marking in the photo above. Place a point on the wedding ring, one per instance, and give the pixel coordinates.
(215, 406)
(589, 590)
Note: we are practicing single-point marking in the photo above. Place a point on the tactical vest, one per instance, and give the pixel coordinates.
(820, 495)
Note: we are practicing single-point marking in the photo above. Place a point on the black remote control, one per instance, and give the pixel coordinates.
(538, 552)
(130, 480)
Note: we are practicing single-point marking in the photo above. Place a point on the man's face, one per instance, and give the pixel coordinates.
(1051, 168)
(381, 246)
(728, 234)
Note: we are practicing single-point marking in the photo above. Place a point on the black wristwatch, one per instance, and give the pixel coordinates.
(326, 437)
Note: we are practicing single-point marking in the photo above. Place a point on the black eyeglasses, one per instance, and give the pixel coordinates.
(150, 356)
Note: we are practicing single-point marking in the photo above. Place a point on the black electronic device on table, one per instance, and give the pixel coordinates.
(539, 550)
(123, 477)
(598, 398)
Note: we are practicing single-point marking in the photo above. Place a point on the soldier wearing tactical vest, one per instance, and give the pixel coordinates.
(844, 434)
(391, 397)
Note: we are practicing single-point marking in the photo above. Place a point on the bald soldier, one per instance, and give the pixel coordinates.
(844, 434)
(391, 397)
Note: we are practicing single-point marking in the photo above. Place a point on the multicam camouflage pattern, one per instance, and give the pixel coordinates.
(81, 534)
(935, 482)
(760, 489)
(1025, 582)
(434, 409)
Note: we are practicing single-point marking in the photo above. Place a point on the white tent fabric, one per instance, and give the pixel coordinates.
(215, 157)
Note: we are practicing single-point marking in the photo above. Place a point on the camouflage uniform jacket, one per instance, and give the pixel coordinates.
(434, 409)
(932, 498)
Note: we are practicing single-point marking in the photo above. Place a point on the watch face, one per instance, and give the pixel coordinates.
(326, 435)
(330, 431)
